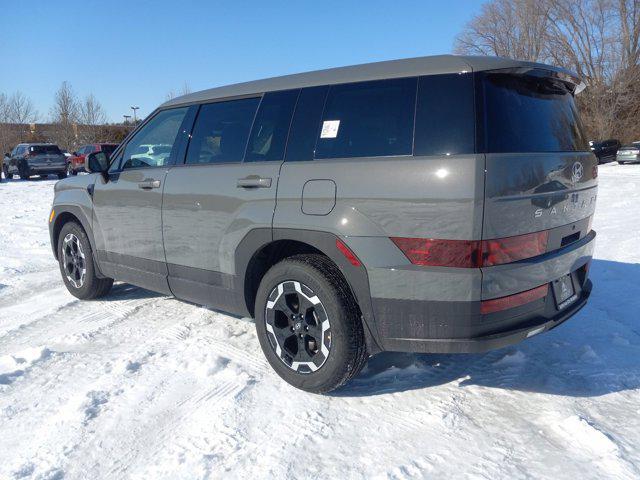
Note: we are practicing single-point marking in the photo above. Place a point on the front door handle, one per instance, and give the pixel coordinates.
(148, 184)
(254, 181)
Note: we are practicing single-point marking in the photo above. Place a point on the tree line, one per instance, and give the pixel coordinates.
(598, 39)
(72, 121)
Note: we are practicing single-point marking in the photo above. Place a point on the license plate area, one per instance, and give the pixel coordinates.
(564, 291)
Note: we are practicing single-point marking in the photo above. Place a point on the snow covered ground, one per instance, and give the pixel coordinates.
(140, 385)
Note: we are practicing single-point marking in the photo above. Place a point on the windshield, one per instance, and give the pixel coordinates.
(527, 113)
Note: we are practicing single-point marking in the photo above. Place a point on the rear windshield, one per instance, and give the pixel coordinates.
(45, 149)
(108, 149)
(522, 113)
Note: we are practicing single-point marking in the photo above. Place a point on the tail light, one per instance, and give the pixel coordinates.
(512, 301)
(472, 253)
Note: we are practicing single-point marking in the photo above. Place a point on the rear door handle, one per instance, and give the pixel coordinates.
(254, 181)
(148, 184)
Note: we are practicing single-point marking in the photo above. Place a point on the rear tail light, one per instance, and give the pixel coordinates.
(440, 253)
(512, 301)
(511, 249)
(472, 253)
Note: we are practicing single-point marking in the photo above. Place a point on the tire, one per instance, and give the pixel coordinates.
(620, 163)
(23, 171)
(81, 280)
(307, 293)
(62, 175)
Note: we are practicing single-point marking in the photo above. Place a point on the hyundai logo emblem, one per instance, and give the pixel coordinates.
(576, 172)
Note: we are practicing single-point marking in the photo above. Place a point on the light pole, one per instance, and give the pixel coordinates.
(126, 118)
(134, 108)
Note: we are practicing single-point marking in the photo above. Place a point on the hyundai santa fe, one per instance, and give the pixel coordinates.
(436, 204)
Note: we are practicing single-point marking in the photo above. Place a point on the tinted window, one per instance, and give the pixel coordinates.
(527, 113)
(45, 149)
(271, 126)
(221, 131)
(108, 149)
(161, 131)
(445, 122)
(368, 119)
(305, 124)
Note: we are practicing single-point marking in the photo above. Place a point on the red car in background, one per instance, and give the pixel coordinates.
(75, 162)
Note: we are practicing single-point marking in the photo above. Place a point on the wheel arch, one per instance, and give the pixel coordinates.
(72, 213)
(262, 248)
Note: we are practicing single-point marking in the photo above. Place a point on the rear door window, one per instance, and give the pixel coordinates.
(528, 113)
(221, 131)
(445, 123)
(271, 126)
(368, 119)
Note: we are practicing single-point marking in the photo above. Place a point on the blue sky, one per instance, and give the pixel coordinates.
(135, 52)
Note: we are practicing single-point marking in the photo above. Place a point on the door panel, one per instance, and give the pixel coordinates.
(206, 214)
(127, 213)
(129, 221)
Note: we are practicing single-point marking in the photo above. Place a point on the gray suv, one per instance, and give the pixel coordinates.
(28, 159)
(438, 204)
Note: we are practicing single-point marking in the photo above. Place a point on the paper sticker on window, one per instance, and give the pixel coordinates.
(330, 129)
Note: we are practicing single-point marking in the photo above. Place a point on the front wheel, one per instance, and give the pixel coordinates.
(76, 264)
(309, 324)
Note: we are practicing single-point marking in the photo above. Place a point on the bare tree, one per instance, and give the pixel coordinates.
(20, 109)
(91, 111)
(65, 114)
(185, 90)
(598, 39)
(507, 28)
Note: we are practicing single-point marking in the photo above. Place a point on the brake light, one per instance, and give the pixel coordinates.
(472, 253)
(511, 301)
(440, 253)
(346, 251)
(511, 249)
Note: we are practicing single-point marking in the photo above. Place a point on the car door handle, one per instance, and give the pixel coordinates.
(254, 181)
(148, 184)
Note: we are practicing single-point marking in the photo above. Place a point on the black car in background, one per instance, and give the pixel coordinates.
(605, 150)
(28, 159)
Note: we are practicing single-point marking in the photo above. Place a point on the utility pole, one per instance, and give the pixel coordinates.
(134, 108)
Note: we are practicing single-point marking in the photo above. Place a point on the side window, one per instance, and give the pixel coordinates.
(271, 126)
(151, 146)
(368, 119)
(305, 124)
(221, 131)
(445, 119)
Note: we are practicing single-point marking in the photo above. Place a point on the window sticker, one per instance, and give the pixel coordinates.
(330, 129)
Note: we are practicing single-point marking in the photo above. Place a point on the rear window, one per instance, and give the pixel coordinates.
(108, 149)
(368, 119)
(527, 113)
(45, 149)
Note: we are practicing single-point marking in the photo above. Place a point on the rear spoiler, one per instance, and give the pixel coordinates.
(569, 78)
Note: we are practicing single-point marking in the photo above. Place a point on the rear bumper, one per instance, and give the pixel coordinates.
(46, 169)
(435, 324)
(628, 158)
(533, 326)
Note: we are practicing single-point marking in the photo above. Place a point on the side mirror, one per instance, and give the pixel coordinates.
(96, 162)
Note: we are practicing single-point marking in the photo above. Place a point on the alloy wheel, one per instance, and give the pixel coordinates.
(73, 260)
(298, 327)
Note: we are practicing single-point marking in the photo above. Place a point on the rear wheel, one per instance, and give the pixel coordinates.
(620, 163)
(309, 325)
(62, 175)
(76, 264)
